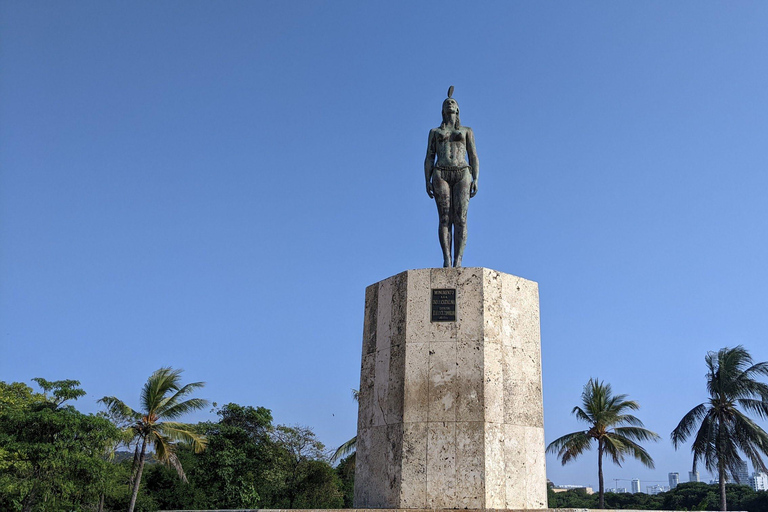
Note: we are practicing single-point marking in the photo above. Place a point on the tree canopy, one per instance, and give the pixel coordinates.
(725, 432)
(615, 431)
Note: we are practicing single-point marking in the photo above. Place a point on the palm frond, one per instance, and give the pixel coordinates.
(759, 407)
(637, 433)
(173, 400)
(615, 447)
(159, 384)
(751, 439)
(687, 424)
(635, 450)
(162, 445)
(182, 432)
(118, 408)
(756, 370)
(174, 462)
(182, 408)
(580, 414)
(570, 446)
(344, 450)
(621, 405)
(627, 419)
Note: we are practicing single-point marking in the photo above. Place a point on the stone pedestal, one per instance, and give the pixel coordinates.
(450, 412)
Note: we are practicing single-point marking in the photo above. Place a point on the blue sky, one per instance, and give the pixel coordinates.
(212, 186)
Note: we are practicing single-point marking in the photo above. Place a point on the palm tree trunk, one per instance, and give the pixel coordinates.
(134, 464)
(721, 463)
(721, 474)
(601, 489)
(101, 503)
(138, 475)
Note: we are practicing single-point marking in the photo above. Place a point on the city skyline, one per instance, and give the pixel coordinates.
(757, 480)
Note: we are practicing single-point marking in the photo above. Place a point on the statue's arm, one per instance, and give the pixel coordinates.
(429, 162)
(473, 161)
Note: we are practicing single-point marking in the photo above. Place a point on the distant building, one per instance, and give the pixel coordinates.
(655, 489)
(741, 473)
(635, 485)
(759, 481)
(564, 488)
(617, 490)
(674, 479)
(693, 476)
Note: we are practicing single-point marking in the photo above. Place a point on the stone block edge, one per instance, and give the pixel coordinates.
(454, 269)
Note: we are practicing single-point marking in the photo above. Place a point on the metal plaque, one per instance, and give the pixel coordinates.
(444, 305)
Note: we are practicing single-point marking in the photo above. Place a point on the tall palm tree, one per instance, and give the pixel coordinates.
(609, 424)
(162, 399)
(724, 430)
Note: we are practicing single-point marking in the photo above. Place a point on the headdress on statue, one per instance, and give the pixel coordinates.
(446, 118)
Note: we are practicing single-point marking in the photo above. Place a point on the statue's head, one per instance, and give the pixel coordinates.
(450, 106)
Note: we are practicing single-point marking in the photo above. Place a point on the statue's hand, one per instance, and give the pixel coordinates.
(473, 189)
(430, 190)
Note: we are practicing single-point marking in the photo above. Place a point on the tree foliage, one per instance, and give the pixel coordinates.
(52, 457)
(616, 432)
(249, 463)
(686, 496)
(163, 399)
(725, 432)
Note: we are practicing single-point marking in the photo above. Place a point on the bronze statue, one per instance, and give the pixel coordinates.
(452, 180)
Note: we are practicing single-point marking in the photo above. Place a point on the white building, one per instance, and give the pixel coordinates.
(693, 476)
(674, 479)
(759, 481)
(635, 485)
(617, 490)
(655, 489)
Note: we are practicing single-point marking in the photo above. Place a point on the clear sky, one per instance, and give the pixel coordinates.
(212, 185)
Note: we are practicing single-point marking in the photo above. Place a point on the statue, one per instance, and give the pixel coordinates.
(452, 180)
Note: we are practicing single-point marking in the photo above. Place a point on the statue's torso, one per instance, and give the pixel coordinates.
(451, 145)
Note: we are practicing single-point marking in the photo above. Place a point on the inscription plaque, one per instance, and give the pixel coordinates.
(444, 305)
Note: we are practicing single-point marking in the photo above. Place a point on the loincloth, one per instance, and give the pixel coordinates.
(452, 174)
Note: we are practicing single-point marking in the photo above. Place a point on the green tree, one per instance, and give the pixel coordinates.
(309, 481)
(162, 399)
(723, 429)
(346, 471)
(691, 496)
(239, 468)
(615, 431)
(167, 491)
(248, 463)
(572, 498)
(51, 455)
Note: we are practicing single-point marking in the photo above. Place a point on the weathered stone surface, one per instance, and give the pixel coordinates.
(450, 412)
(402, 510)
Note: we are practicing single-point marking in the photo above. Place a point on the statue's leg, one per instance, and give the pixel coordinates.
(443, 201)
(460, 202)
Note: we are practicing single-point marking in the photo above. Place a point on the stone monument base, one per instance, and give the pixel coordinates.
(412, 510)
(450, 408)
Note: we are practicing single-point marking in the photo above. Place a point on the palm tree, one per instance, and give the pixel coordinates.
(725, 430)
(609, 424)
(351, 445)
(162, 399)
